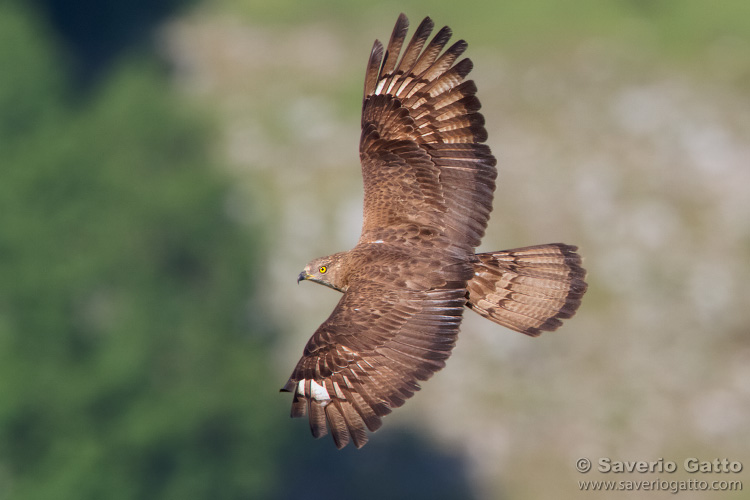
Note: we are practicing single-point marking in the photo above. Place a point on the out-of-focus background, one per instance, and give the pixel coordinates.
(168, 167)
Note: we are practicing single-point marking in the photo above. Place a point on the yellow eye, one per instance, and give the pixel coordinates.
(323, 269)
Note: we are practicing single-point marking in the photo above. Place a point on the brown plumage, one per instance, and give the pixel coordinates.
(429, 184)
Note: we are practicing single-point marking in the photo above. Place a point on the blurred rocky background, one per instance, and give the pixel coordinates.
(167, 168)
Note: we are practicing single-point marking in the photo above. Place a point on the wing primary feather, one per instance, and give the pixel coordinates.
(317, 419)
(373, 66)
(392, 51)
(337, 424)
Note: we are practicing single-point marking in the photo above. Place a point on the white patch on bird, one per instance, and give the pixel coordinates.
(476, 273)
(378, 241)
(319, 393)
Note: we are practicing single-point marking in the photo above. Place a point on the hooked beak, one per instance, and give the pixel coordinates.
(302, 276)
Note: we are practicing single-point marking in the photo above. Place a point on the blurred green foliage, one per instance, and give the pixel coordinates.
(127, 355)
(94, 33)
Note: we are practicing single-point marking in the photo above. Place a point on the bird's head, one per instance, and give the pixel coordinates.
(324, 270)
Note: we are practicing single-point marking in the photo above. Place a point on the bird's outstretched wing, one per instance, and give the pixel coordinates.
(423, 164)
(381, 339)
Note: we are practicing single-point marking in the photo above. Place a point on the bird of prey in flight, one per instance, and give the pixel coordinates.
(428, 189)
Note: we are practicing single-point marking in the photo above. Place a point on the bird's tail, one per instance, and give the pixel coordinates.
(528, 289)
